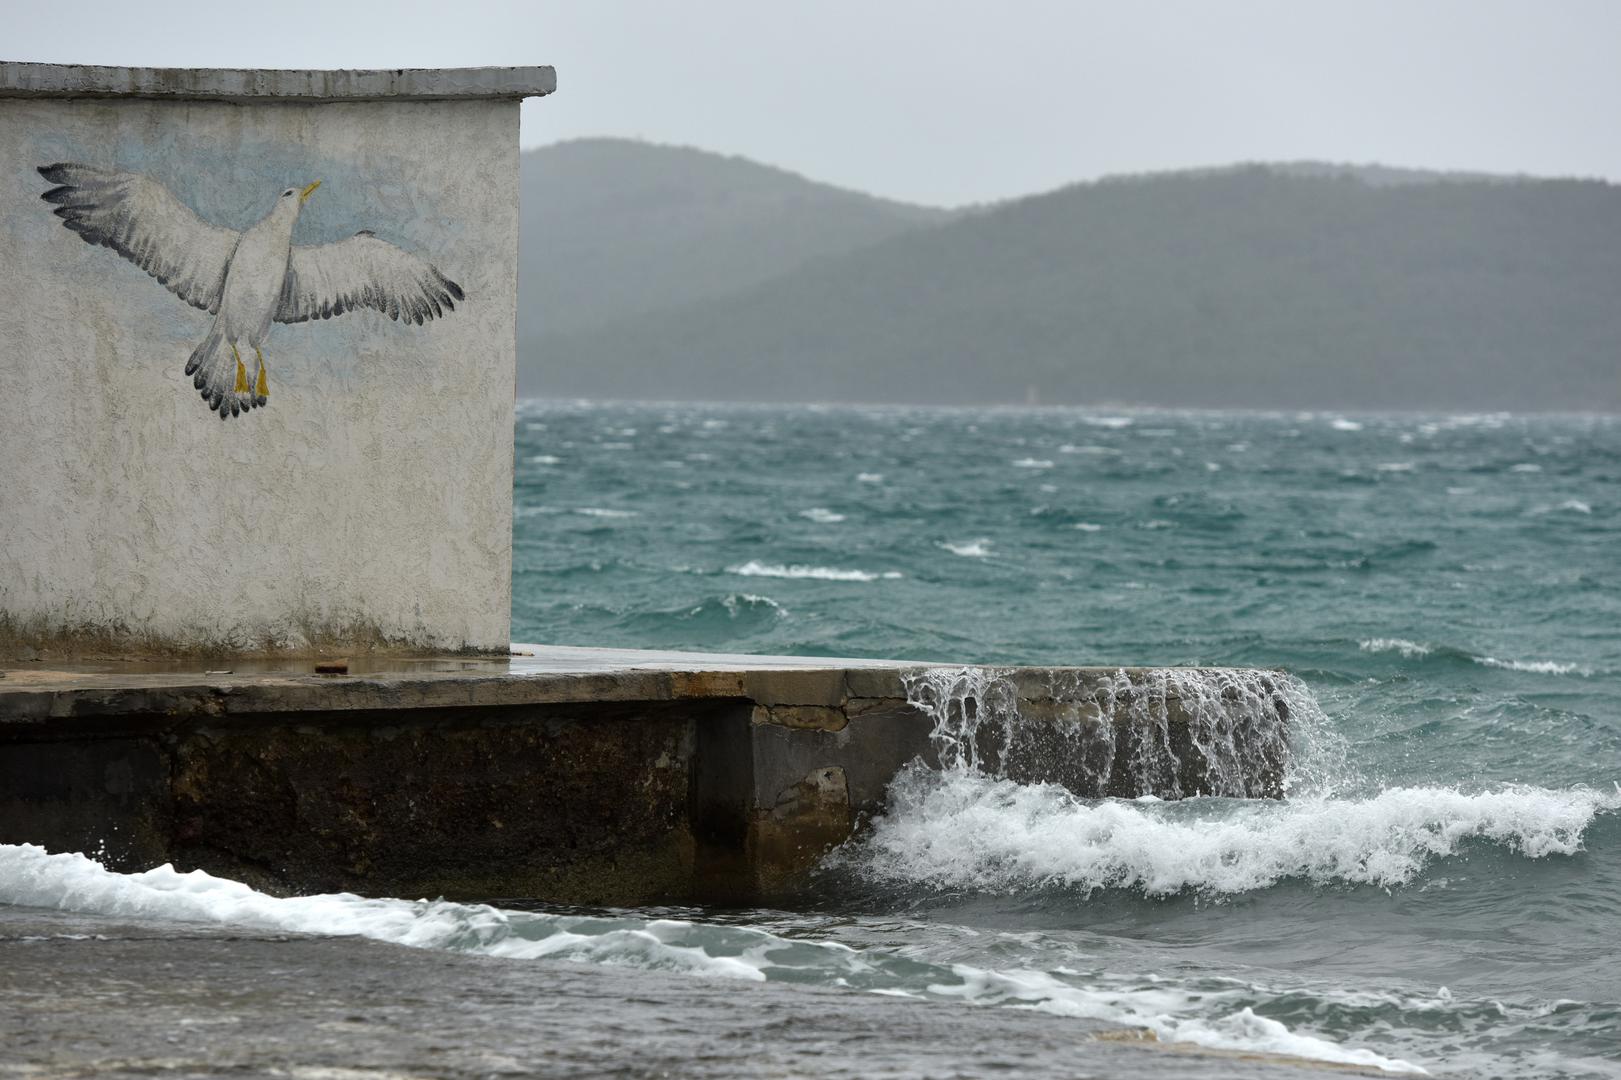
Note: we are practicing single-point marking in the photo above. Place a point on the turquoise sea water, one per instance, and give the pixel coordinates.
(1439, 891)
(1443, 888)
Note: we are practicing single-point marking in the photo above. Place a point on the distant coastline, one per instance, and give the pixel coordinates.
(663, 273)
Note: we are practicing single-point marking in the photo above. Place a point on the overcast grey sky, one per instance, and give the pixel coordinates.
(955, 102)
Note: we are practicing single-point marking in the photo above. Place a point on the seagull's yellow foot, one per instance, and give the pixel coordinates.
(261, 389)
(241, 386)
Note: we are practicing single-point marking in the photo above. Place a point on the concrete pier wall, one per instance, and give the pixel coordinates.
(359, 492)
(578, 776)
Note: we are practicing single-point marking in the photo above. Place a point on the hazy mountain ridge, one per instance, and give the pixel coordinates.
(1249, 286)
(612, 228)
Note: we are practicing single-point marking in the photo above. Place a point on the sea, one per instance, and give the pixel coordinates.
(1440, 889)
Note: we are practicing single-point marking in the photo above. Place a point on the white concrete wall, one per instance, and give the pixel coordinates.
(370, 499)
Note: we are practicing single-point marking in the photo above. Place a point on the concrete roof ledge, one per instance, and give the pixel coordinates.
(269, 85)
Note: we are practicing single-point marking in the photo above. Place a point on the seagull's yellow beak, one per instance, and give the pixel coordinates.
(307, 192)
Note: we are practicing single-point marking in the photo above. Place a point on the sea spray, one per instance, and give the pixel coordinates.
(1172, 733)
(1016, 803)
(975, 833)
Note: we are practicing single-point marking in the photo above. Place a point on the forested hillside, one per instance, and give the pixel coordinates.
(1289, 287)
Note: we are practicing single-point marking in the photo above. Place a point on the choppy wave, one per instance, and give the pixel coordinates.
(755, 568)
(1225, 1019)
(963, 831)
(1536, 667)
(1415, 650)
(1013, 805)
(971, 549)
(1408, 649)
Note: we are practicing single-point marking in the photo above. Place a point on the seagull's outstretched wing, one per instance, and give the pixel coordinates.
(364, 272)
(142, 220)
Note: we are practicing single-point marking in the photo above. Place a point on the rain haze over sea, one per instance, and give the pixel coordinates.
(1441, 888)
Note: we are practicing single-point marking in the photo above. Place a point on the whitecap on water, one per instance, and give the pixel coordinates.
(1409, 649)
(755, 568)
(973, 549)
(821, 515)
(1569, 506)
(1535, 667)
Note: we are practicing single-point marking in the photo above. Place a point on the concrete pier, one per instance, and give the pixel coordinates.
(574, 775)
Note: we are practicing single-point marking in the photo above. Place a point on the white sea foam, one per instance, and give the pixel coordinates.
(1535, 667)
(1394, 467)
(1161, 1010)
(973, 549)
(1413, 650)
(821, 515)
(1087, 526)
(737, 603)
(1570, 506)
(545, 459)
(1114, 422)
(962, 830)
(1409, 649)
(30, 876)
(1032, 463)
(1089, 448)
(1342, 424)
(601, 512)
(870, 477)
(1526, 467)
(755, 568)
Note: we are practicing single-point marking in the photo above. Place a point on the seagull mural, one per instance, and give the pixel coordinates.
(247, 280)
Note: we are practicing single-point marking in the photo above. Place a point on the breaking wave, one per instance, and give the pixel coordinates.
(980, 833)
(1225, 1019)
(1015, 802)
(1415, 650)
(755, 568)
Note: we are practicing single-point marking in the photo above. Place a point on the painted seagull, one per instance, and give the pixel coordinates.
(246, 280)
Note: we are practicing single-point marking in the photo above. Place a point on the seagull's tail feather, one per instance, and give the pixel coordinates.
(213, 375)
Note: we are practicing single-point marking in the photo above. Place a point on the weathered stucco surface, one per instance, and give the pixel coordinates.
(369, 503)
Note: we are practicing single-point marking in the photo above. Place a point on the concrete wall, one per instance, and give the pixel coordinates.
(367, 501)
(613, 778)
